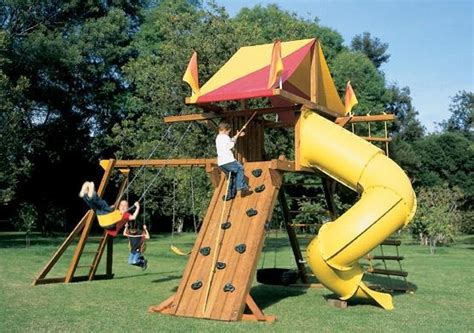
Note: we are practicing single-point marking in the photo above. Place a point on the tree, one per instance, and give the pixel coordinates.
(462, 114)
(438, 217)
(62, 61)
(407, 126)
(373, 48)
(368, 83)
(26, 220)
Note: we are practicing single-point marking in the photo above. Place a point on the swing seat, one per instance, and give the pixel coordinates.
(178, 252)
(110, 219)
(277, 276)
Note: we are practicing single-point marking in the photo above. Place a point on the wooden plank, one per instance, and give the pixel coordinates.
(291, 166)
(305, 102)
(295, 246)
(297, 165)
(237, 234)
(177, 306)
(329, 187)
(364, 119)
(80, 278)
(231, 305)
(376, 139)
(251, 317)
(228, 114)
(163, 306)
(337, 303)
(266, 211)
(157, 163)
(254, 308)
(59, 252)
(88, 224)
(313, 75)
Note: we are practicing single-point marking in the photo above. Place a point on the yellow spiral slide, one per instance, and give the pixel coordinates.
(387, 203)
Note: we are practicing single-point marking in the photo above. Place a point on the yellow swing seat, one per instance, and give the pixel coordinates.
(108, 220)
(178, 252)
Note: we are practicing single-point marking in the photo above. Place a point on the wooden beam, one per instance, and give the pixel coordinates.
(284, 165)
(376, 139)
(202, 162)
(329, 189)
(305, 102)
(365, 119)
(61, 250)
(74, 279)
(88, 224)
(292, 237)
(228, 114)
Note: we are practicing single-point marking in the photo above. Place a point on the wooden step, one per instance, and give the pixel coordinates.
(295, 225)
(391, 242)
(373, 257)
(387, 272)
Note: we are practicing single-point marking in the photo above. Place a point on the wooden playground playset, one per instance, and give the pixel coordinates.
(216, 282)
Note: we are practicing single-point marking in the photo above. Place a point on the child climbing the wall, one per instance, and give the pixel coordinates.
(101, 207)
(228, 164)
(136, 244)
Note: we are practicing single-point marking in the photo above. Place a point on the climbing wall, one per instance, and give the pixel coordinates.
(221, 267)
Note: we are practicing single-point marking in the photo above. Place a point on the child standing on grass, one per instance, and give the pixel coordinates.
(136, 243)
(227, 162)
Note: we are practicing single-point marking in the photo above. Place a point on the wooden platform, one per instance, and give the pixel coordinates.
(210, 300)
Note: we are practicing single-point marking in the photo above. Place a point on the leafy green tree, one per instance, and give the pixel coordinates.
(372, 47)
(407, 126)
(26, 220)
(462, 114)
(368, 83)
(259, 25)
(438, 217)
(63, 62)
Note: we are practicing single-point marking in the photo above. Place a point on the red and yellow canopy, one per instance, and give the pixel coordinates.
(246, 75)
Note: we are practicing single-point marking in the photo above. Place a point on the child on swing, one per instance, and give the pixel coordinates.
(136, 242)
(227, 162)
(101, 207)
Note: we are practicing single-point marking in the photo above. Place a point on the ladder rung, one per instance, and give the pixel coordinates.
(370, 257)
(391, 242)
(387, 272)
(301, 225)
(309, 274)
(304, 197)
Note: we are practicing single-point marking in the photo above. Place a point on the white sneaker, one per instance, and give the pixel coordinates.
(91, 190)
(84, 189)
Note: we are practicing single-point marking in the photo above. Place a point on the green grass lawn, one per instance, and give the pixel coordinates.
(443, 301)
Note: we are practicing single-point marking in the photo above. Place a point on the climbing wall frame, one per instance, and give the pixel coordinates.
(217, 280)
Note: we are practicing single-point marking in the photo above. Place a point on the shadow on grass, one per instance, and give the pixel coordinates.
(266, 295)
(167, 278)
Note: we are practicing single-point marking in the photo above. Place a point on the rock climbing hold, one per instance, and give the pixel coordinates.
(260, 188)
(196, 285)
(257, 172)
(205, 251)
(251, 212)
(241, 248)
(226, 225)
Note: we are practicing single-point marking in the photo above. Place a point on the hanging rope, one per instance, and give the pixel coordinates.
(174, 248)
(193, 209)
(176, 146)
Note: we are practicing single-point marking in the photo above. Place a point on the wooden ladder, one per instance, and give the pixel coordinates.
(386, 271)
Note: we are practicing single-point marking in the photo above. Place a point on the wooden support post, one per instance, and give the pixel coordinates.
(292, 236)
(297, 142)
(256, 313)
(88, 224)
(61, 250)
(329, 188)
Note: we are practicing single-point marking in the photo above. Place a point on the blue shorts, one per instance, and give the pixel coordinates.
(134, 258)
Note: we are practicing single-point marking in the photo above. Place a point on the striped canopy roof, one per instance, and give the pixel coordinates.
(245, 75)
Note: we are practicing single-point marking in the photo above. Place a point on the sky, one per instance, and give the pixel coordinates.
(431, 43)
